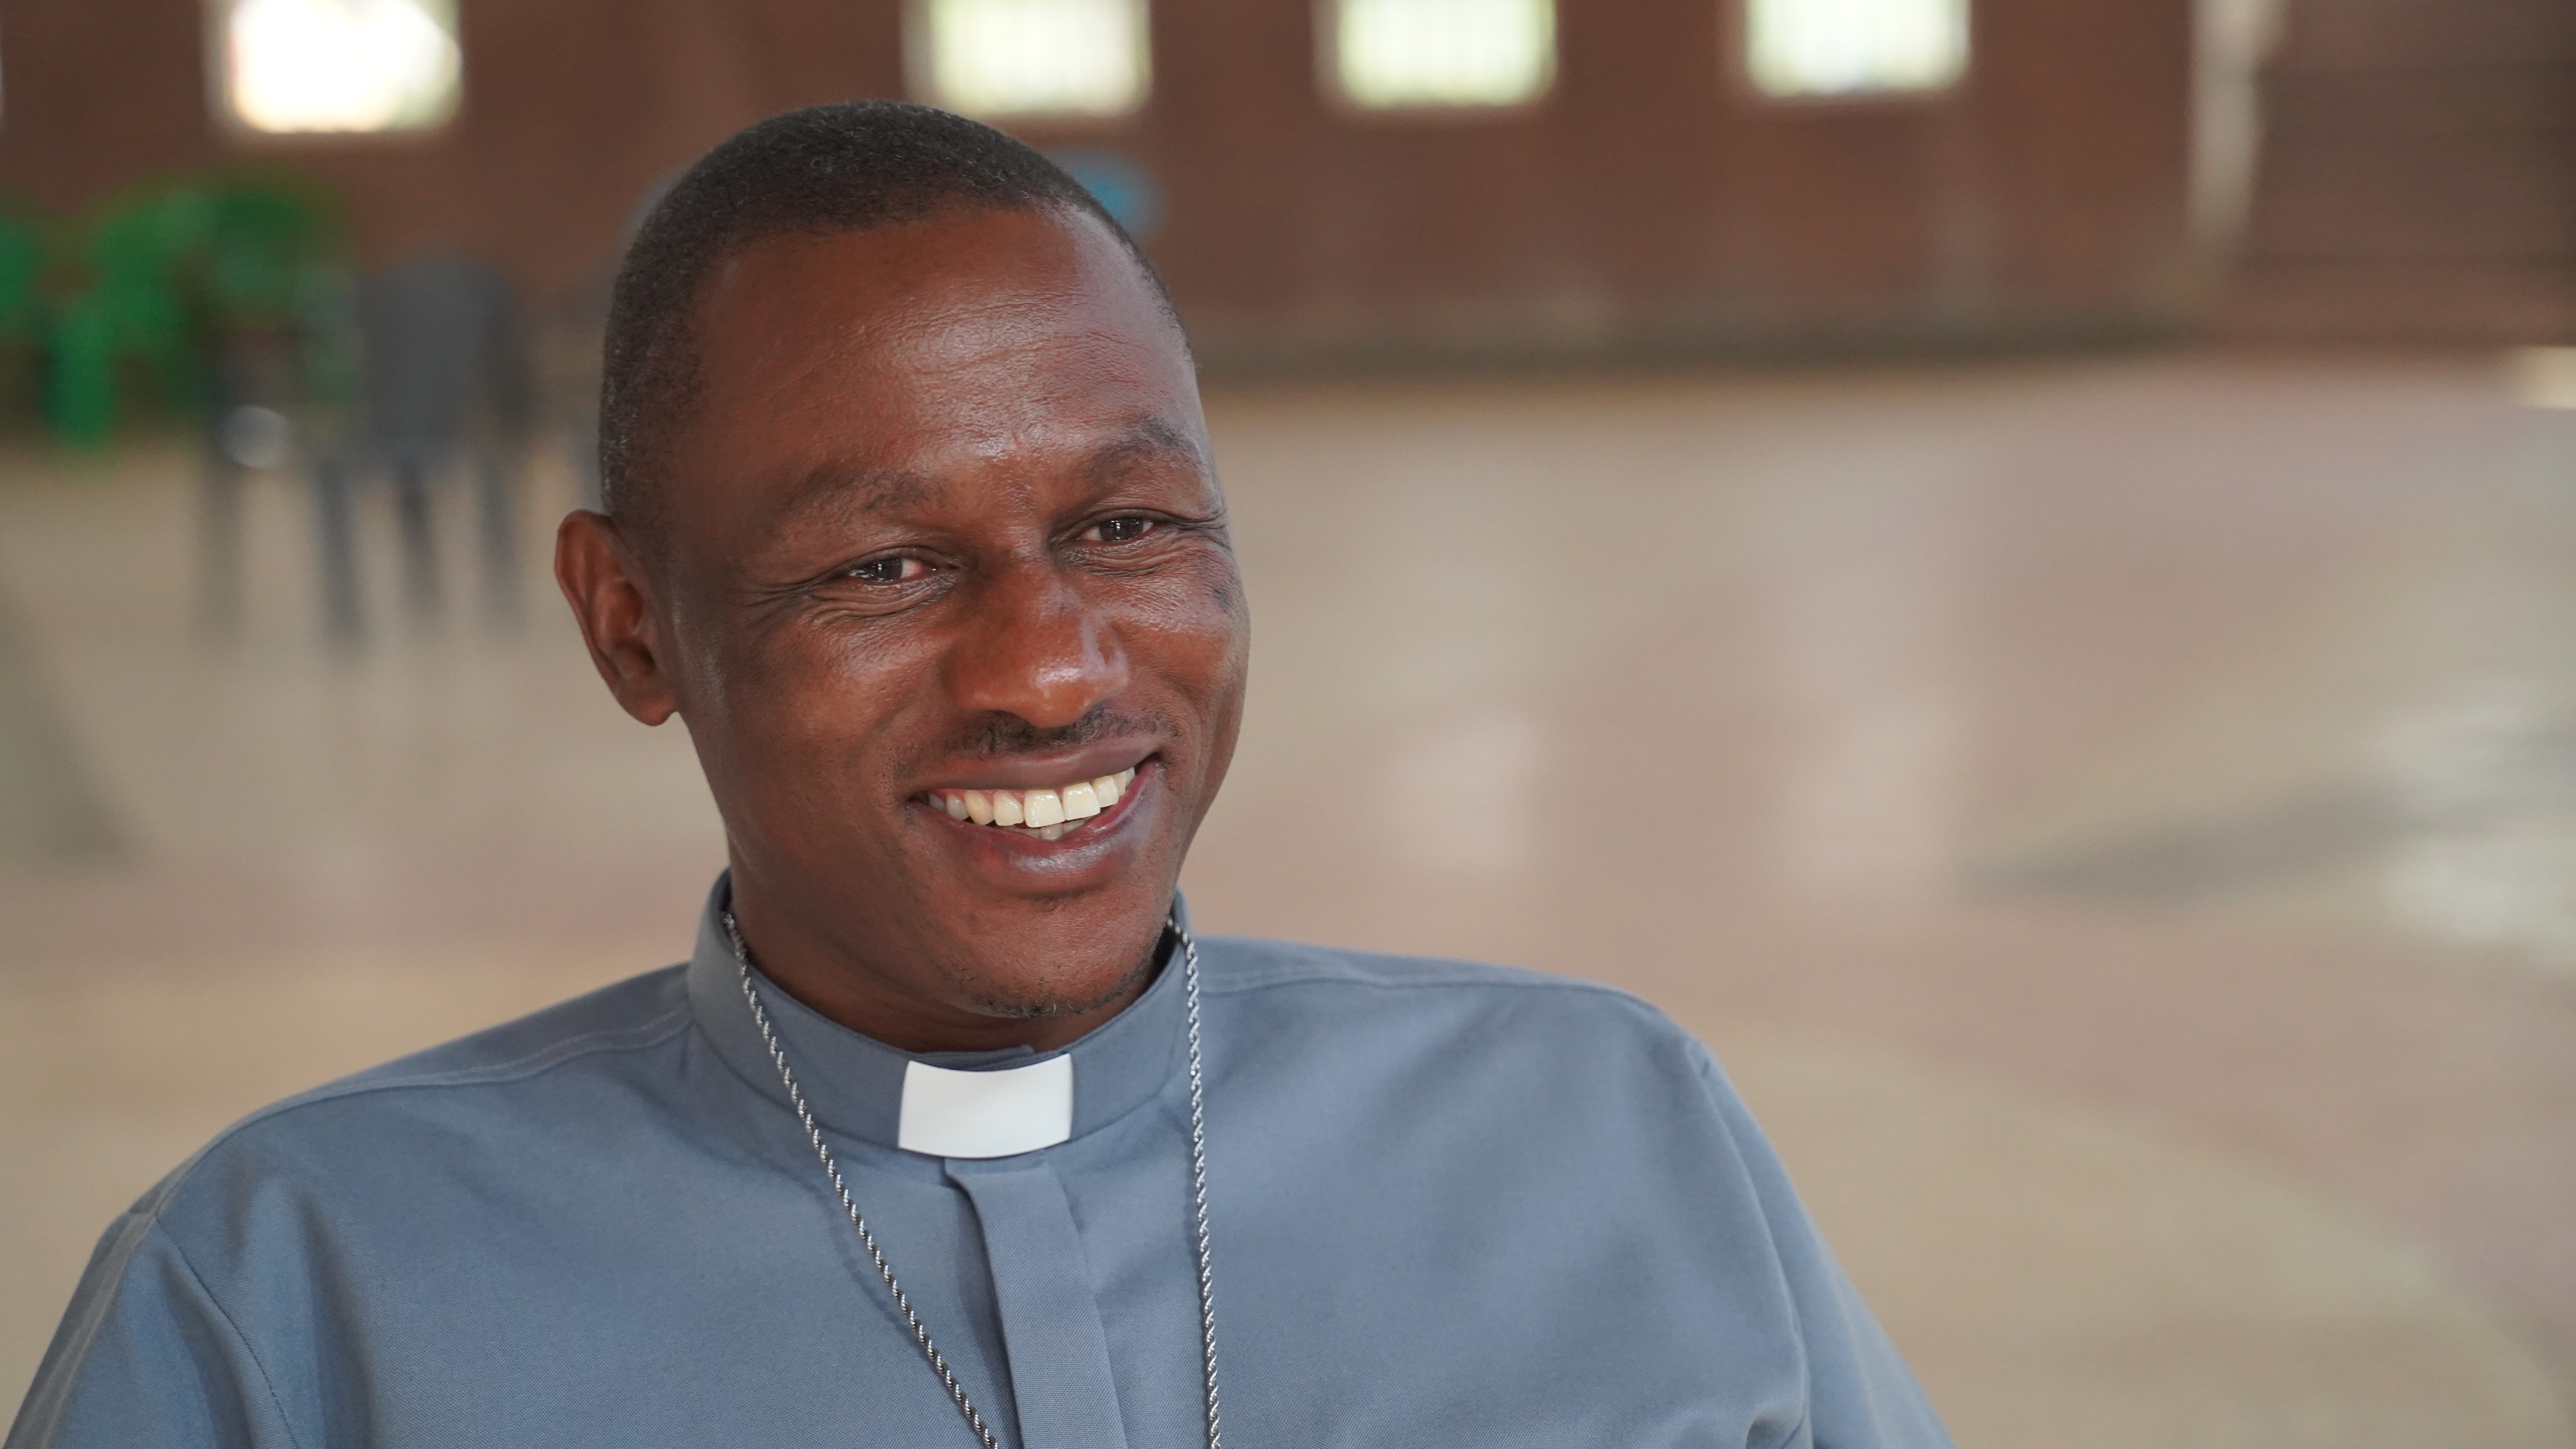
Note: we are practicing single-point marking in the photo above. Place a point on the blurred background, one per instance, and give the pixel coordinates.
(2007, 561)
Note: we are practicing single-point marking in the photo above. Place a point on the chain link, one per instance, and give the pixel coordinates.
(1198, 1187)
(920, 1332)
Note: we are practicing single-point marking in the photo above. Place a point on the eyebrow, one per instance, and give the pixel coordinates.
(845, 491)
(1152, 438)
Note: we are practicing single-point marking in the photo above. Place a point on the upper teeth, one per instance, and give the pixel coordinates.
(1046, 813)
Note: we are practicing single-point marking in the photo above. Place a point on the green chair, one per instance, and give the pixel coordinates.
(127, 312)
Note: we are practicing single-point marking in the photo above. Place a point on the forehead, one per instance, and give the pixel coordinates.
(965, 334)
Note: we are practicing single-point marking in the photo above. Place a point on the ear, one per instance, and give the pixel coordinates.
(601, 579)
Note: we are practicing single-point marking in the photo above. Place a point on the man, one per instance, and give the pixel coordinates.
(949, 1132)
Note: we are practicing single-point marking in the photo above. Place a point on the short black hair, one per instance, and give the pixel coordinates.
(821, 170)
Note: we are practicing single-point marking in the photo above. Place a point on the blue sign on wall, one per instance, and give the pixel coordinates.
(1125, 188)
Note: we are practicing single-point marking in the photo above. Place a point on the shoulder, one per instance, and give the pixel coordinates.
(1501, 1007)
(1239, 965)
(638, 1012)
(584, 1046)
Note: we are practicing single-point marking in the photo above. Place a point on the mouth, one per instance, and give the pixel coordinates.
(1046, 813)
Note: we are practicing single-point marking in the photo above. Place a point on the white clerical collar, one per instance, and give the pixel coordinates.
(998, 1113)
(980, 1104)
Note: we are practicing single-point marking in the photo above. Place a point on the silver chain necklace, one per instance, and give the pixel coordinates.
(849, 1205)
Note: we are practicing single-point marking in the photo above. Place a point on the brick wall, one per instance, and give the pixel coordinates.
(2418, 175)
(1649, 204)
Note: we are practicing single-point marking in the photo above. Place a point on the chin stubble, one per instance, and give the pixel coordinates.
(1023, 1009)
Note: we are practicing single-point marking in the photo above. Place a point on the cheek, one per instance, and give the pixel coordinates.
(1223, 584)
(1199, 635)
(819, 709)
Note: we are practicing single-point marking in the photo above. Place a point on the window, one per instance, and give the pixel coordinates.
(338, 65)
(1424, 53)
(1854, 47)
(1031, 57)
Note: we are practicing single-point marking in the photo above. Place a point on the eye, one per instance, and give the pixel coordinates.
(892, 569)
(1124, 529)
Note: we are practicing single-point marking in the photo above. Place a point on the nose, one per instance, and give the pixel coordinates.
(1036, 648)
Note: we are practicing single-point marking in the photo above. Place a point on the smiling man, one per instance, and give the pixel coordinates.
(949, 1130)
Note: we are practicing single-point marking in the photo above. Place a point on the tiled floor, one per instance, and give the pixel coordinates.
(2116, 816)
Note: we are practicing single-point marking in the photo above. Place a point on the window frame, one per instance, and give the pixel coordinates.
(1735, 58)
(238, 129)
(1338, 99)
(921, 83)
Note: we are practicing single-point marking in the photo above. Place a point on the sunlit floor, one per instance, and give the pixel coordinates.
(2116, 817)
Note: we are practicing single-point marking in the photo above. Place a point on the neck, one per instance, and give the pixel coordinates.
(904, 1005)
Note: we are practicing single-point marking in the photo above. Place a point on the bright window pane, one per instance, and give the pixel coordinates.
(340, 65)
(1036, 57)
(1444, 52)
(1851, 47)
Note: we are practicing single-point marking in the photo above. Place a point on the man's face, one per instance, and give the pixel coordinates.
(941, 518)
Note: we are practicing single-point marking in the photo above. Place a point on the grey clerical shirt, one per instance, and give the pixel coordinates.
(1452, 1205)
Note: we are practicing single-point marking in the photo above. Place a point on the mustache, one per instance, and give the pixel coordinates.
(998, 734)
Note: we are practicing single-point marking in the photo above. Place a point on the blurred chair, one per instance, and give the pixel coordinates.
(253, 390)
(443, 385)
(22, 311)
(567, 347)
(256, 273)
(132, 316)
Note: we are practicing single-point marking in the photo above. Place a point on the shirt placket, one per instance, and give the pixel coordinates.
(1051, 1330)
